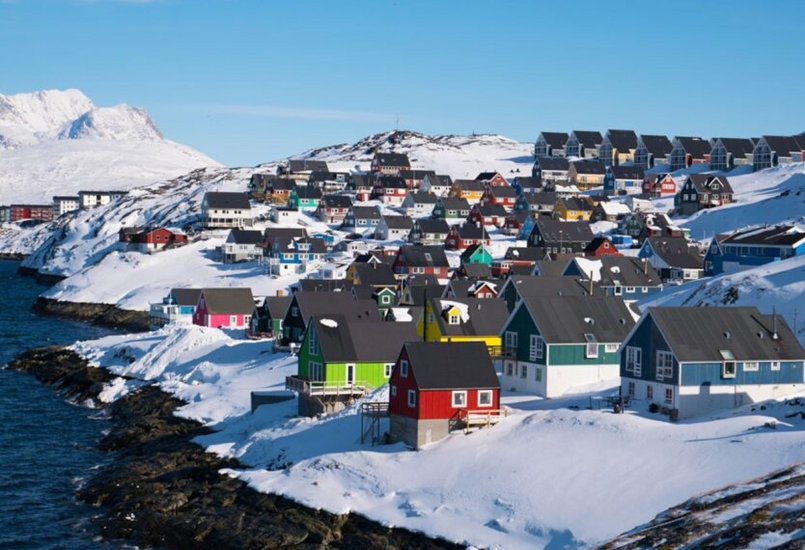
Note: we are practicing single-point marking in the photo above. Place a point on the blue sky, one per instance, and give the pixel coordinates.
(250, 81)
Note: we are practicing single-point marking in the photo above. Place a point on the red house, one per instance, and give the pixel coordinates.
(390, 163)
(436, 387)
(224, 308)
(390, 190)
(41, 212)
(504, 195)
(492, 179)
(149, 240)
(601, 246)
(659, 185)
(416, 259)
(462, 236)
(488, 215)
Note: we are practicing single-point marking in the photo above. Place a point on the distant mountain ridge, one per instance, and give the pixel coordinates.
(58, 142)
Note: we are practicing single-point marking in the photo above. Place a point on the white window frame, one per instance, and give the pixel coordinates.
(490, 398)
(403, 368)
(591, 350)
(387, 369)
(537, 374)
(649, 392)
(775, 365)
(724, 373)
(634, 360)
(611, 348)
(669, 398)
(536, 347)
(511, 339)
(394, 391)
(455, 394)
(665, 365)
(751, 366)
(412, 399)
(524, 371)
(454, 319)
(313, 344)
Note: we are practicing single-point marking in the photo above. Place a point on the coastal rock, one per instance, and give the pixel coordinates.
(161, 489)
(99, 314)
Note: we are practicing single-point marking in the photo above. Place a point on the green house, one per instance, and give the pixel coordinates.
(304, 198)
(560, 344)
(476, 254)
(267, 317)
(385, 297)
(451, 208)
(341, 359)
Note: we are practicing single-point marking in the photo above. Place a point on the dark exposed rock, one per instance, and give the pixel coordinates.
(161, 489)
(98, 314)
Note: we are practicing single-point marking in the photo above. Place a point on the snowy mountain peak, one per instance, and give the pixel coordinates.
(42, 111)
(121, 122)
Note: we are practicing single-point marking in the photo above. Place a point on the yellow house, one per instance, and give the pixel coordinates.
(586, 174)
(574, 209)
(463, 320)
(471, 190)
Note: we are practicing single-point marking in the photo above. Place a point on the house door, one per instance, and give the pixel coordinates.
(350, 374)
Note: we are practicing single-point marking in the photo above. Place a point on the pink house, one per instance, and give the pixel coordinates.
(224, 308)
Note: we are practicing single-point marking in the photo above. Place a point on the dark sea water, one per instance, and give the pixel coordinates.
(47, 446)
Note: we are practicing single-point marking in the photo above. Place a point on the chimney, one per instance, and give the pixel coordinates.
(645, 266)
(774, 335)
(591, 284)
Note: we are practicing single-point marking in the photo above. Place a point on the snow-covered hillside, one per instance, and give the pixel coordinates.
(552, 475)
(457, 156)
(58, 143)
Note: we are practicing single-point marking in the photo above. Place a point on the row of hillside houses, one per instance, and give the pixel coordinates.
(61, 205)
(619, 147)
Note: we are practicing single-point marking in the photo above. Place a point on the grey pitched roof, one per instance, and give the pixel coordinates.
(422, 197)
(589, 167)
(277, 306)
(477, 270)
(676, 252)
(502, 191)
(556, 140)
(226, 200)
(576, 203)
(282, 184)
(469, 185)
(442, 180)
(398, 222)
(701, 333)
(317, 176)
(229, 300)
(424, 256)
(375, 274)
(524, 253)
(186, 296)
(273, 233)
(336, 201)
(366, 212)
(695, 146)
(620, 271)
(342, 339)
(391, 182)
(324, 285)
(659, 146)
(622, 140)
(553, 163)
(486, 176)
(416, 174)
(588, 139)
(245, 236)
(545, 197)
(702, 183)
(461, 287)
(549, 286)
(486, 316)
(628, 172)
(455, 203)
(325, 303)
(308, 192)
(433, 225)
(445, 366)
(491, 210)
(781, 235)
(528, 182)
(738, 147)
(784, 146)
(566, 319)
(392, 159)
(471, 231)
(301, 165)
(558, 230)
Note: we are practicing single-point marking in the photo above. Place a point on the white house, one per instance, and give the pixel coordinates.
(91, 199)
(226, 210)
(393, 228)
(243, 245)
(63, 205)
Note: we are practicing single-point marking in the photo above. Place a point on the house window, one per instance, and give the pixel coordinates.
(630, 290)
(454, 318)
(630, 388)
(618, 291)
(645, 289)
(316, 371)
(403, 368)
(459, 399)
(751, 366)
(387, 369)
(634, 359)
(669, 395)
(537, 374)
(510, 368)
(313, 343)
(233, 320)
(591, 348)
(511, 339)
(523, 371)
(649, 392)
(611, 348)
(775, 365)
(394, 391)
(411, 398)
(728, 369)
(484, 398)
(295, 311)
(536, 347)
(665, 365)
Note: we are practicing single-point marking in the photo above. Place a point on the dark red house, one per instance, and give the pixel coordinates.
(601, 246)
(417, 259)
(148, 240)
(659, 185)
(462, 236)
(488, 215)
(491, 179)
(504, 195)
(436, 387)
(41, 212)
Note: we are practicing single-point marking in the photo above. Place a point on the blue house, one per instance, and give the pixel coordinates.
(527, 228)
(177, 307)
(290, 255)
(630, 278)
(623, 180)
(750, 248)
(690, 361)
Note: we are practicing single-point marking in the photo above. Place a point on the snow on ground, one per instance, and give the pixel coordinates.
(552, 474)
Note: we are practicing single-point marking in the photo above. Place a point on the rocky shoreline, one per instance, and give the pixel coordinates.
(98, 314)
(162, 489)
